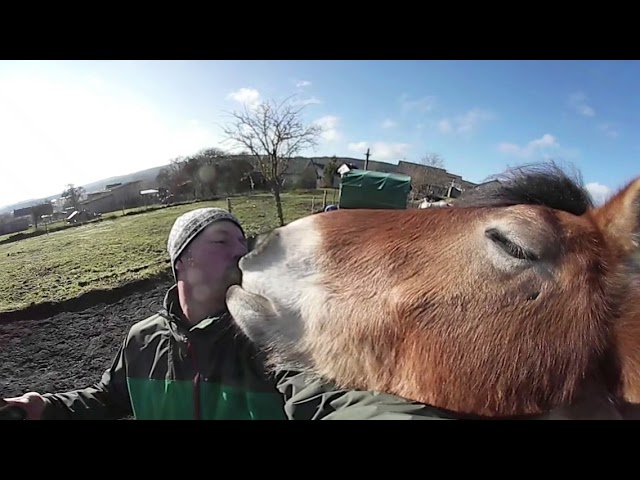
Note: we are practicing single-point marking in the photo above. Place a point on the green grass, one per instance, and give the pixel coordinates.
(116, 250)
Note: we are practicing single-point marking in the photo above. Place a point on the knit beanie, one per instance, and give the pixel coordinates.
(188, 225)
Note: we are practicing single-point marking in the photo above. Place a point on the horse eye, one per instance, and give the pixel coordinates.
(509, 247)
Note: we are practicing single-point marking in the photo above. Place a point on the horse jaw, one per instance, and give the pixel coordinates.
(281, 293)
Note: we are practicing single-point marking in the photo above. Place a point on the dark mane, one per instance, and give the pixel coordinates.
(543, 184)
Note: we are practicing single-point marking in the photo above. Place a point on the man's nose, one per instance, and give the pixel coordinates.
(241, 250)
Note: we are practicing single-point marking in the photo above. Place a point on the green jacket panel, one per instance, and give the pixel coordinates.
(174, 400)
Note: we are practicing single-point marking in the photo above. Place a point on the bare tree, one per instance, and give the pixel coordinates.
(273, 133)
(169, 176)
(73, 195)
(432, 160)
(37, 211)
(329, 172)
(428, 176)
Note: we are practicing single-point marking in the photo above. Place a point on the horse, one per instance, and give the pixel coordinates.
(523, 299)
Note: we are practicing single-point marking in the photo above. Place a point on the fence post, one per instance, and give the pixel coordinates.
(324, 200)
(229, 204)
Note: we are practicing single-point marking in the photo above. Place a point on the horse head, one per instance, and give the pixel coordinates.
(516, 301)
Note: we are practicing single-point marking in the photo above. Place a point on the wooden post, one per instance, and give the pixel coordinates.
(324, 200)
(313, 204)
(229, 204)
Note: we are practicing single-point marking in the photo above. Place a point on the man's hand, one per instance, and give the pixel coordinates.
(32, 403)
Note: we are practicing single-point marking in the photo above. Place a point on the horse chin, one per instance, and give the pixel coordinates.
(251, 312)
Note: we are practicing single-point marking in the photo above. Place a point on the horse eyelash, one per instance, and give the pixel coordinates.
(511, 248)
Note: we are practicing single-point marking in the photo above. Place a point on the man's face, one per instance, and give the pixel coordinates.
(210, 263)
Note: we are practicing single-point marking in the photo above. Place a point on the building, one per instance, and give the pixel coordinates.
(15, 225)
(427, 181)
(117, 197)
(22, 212)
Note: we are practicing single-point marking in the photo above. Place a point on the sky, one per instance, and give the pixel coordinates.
(77, 122)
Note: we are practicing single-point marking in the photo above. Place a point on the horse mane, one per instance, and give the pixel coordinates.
(546, 184)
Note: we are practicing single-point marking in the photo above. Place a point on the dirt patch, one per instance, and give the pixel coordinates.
(71, 349)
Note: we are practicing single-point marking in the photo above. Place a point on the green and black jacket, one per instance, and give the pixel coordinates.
(165, 370)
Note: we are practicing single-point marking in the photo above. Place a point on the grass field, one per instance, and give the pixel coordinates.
(114, 251)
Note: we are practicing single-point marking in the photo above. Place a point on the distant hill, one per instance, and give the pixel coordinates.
(148, 174)
(151, 173)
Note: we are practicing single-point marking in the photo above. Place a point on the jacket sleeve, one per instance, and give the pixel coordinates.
(107, 399)
(307, 398)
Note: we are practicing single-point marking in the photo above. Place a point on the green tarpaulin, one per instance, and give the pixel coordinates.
(370, 189)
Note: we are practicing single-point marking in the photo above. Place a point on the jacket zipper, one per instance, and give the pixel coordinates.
(196, 381)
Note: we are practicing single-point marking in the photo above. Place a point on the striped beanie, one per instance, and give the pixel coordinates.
(188, 225)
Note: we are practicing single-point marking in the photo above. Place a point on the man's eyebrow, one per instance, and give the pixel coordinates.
(219, 232)
(228, 234)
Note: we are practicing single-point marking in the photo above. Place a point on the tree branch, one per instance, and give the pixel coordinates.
(273, 133)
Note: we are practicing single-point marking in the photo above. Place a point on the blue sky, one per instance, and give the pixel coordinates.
(80, 121)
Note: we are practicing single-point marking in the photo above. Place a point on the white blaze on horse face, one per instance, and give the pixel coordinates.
(280, 285)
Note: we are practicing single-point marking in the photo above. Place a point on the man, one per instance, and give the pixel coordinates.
(188, 361)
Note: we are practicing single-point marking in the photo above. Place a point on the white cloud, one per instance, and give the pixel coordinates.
(533, 147)
(466, 123)
(308, 101)
(250, 97)
(609, 130)
(381, 151)
(329, 125)
(303, 84)
(388, 123)
(422, 105)
(445, 126)
(578, 102)
(599, 192)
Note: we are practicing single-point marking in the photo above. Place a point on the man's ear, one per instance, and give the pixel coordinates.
(181, 260)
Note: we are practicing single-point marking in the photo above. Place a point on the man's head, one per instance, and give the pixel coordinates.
(205, 246)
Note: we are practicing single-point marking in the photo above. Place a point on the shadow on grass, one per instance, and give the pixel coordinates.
(90, 299)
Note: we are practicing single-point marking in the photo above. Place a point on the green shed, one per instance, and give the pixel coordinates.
(371, 189)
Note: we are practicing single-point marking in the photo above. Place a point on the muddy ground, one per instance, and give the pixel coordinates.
(71, 349)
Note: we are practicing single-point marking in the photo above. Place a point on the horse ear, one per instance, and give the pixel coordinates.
(619, 218)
